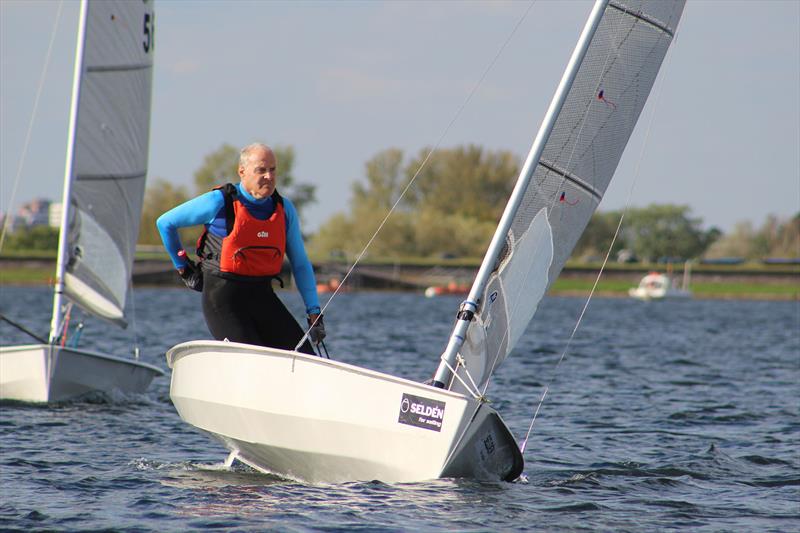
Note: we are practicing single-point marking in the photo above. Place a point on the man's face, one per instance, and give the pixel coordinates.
(258, 174)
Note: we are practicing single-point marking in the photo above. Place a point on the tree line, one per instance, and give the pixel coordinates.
(448, 205)
(219, 167)
(452, 207)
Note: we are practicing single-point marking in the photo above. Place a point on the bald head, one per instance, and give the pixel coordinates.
(257, 170)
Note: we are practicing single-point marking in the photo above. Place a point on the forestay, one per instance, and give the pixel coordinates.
(569, 179)
(106, 181)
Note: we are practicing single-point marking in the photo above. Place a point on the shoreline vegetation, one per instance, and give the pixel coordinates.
(752, 281)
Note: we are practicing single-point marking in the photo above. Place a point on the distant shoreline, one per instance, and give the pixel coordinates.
(728, 283)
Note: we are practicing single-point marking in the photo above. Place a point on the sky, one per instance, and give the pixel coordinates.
(341, 81)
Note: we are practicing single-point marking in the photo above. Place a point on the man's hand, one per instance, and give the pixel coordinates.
(191, 275)
(317, 331)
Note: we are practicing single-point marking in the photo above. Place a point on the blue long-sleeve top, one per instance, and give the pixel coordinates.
(209, 209)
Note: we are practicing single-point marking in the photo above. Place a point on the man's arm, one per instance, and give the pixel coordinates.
(200, 210)
(301, 267)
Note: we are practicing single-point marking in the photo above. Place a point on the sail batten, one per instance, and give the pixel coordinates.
(110, 177)
(571, 164)
(119, 68)
(574, 179)
(643, 17)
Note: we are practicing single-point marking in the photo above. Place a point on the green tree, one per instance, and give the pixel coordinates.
(301, 194)
(451, 234)
(787, 241)
(452, 207)
(659, 231)
(384, 181)
(776, 238)
(159, 197)
(369, 205)
(652, 233)
(596, 239)
(219, 167)
(33, 238)
(222, 166)
(467, 180)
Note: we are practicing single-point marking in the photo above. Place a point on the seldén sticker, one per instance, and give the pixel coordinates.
(421, 412)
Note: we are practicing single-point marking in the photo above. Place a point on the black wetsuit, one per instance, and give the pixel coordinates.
(249, 312)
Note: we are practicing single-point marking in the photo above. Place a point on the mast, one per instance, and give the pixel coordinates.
(63, 242)
(444, 376)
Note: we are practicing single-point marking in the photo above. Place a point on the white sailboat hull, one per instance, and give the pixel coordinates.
(42, 373)
(641, 293)
(655, 286)
(323, 421)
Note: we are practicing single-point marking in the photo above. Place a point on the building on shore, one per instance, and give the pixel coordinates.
(38, 212)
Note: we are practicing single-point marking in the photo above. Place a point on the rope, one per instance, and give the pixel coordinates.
(321, 348)
(608, 253)
(64, 327)
(425, 161)
(7, 221)
(463, 363)
(23, 329)
(475, 393)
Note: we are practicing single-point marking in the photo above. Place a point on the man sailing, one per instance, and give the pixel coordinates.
(249, 228)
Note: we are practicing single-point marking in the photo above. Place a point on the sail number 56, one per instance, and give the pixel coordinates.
(149, 32)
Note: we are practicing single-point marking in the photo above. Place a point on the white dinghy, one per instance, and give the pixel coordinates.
(103, 192)
(657, 286)
(318, 420)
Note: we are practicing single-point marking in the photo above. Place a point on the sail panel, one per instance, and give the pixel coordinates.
(577, 163)
(110, 154)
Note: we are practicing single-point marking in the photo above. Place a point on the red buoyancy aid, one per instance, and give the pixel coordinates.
(253, 248)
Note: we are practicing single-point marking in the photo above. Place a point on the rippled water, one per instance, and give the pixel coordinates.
(674, 415)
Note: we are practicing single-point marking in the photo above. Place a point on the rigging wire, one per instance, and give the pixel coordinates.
(23, 329)
(424, 162)
(42, 76)
(608, 253)
(135, 331)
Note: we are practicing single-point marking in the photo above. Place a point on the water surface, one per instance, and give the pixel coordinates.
(677, 415)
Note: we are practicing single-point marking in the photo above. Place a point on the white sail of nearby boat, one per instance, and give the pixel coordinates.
(565, 175)
(104, 186)
(320, 420)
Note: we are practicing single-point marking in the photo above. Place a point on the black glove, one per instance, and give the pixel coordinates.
(192, 276)
(317, 331)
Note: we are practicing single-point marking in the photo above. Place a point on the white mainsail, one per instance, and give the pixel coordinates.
(106, 169)
(103, 192)
(563, 181)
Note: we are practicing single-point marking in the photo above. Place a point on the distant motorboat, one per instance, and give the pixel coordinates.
(450, 288)
(331, 286)
(657, 286)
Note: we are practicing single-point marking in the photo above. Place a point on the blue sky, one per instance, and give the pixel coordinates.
(341, 81)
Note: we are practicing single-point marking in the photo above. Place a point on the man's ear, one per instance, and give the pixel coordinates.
(241, 171)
